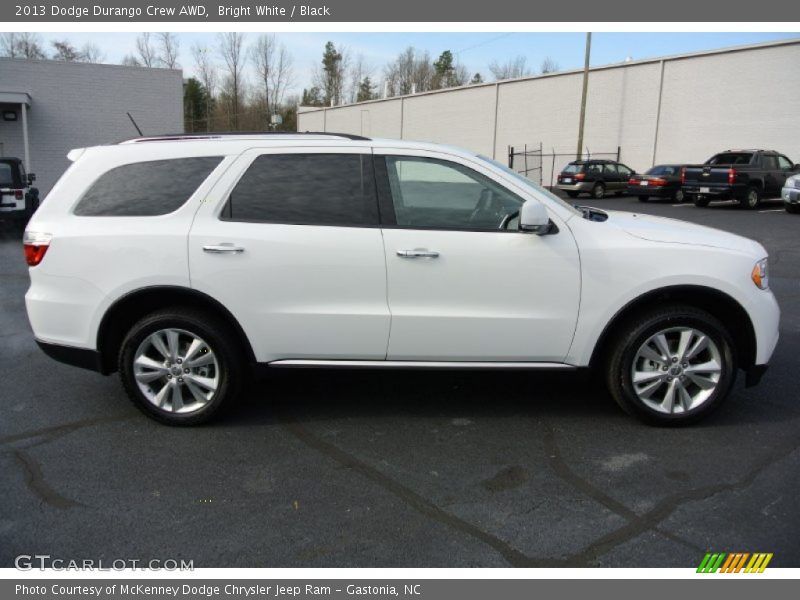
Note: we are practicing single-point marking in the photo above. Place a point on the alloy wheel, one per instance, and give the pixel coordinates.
(176, 370)
(676, 370)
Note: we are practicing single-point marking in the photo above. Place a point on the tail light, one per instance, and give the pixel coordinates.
(731, 176)
(633, 181)
(658, 181)
(580, 176)
(18, 194)
(683, 175)
(35, 245)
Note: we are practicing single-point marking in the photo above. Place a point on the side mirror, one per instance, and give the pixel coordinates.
(533, 217)
(31, 178)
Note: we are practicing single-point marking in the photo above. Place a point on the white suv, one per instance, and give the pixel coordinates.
(186, 262)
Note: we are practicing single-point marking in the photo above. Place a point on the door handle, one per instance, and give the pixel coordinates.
(223, 249)
(418, 253)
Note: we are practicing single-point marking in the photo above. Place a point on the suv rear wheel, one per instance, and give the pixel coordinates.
(598, 191)
(181, 366)
(672, 367)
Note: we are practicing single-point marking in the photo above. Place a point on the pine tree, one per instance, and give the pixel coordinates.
(365, 90)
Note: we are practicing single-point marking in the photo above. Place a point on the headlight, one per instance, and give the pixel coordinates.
(793, 182)
(760, 274)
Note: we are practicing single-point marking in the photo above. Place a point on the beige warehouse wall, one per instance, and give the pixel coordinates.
(465, 119)
(747, 97)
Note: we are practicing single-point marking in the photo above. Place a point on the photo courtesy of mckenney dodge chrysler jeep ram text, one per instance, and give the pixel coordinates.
(185, 262)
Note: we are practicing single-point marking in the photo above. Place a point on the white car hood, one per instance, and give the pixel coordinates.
(674, 231)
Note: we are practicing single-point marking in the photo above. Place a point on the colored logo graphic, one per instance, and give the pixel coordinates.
(744, 562)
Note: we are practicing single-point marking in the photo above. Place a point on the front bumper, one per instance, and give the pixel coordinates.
(790, 195)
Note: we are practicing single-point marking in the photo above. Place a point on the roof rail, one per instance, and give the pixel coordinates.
(167, 137)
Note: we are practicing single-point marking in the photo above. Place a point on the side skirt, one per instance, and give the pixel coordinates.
(417, 364)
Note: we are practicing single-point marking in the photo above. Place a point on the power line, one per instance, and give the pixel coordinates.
(489, 41)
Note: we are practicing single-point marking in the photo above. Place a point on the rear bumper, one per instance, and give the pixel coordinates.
(720, 192)
(581, 186)
(646, 190)
(77, 357)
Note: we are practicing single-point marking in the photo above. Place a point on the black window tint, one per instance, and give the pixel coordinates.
(769, 162)
(6, 175)
(306, 189)
(609, 169)
(146, 189)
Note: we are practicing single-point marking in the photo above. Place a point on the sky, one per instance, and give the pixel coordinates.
(475, 50)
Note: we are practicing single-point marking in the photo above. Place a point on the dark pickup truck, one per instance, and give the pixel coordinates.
(746, 176)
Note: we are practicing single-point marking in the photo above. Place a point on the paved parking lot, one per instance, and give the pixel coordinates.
(361, 469)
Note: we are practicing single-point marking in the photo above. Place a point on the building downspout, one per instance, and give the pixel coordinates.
(25, 137)
(496, 109)
(658, 115)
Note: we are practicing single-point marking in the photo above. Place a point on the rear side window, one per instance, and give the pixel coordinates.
(6, 175)
(146, 189)
(306, 189)
(731, 158)
(572, 168)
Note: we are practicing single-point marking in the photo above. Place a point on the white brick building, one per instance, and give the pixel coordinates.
(65, 105)
(672, 109)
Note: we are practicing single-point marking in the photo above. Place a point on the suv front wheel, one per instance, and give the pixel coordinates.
(672, 367)
(181, 366)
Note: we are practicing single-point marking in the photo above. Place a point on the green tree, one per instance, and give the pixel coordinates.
(444, 70)
(196, 106)
(312, 97)
(365, 90)
(331, 79)
(476, 79)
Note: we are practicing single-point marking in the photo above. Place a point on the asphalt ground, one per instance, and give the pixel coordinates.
(402, 469)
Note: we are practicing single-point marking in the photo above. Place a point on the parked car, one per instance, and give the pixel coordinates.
(594, 177)
(661, 181)
(323, 250)
(790, 193)
(746, 176)
(18, 198)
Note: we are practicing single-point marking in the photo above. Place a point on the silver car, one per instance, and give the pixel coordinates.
(791, 194)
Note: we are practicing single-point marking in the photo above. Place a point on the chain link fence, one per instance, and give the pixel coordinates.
(541, 167)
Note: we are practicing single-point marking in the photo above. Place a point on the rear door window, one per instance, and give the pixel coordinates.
(306, 189)
(769, 162)
(146, 189)
(731, 158)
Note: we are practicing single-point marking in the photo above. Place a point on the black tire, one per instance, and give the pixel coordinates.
(221, 341)
(752, 199)
(792, 208)
(572, 194)
(678, 196)
(644, 198)
(701, 201)
(636, 331)
(599, 191)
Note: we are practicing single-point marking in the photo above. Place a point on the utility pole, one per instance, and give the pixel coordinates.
(579, 153)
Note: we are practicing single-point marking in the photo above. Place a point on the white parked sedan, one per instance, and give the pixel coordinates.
(184, 263)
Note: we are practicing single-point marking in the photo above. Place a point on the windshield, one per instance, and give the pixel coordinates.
(528, 183)
(6, 175)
